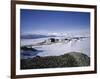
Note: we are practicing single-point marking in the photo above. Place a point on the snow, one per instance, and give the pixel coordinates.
(59, 48)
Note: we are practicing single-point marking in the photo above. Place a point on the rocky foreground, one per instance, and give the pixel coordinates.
(71, 59)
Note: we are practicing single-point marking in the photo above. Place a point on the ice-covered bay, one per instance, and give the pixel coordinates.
(60, 48)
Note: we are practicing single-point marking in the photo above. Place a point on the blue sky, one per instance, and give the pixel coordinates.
(44, 21)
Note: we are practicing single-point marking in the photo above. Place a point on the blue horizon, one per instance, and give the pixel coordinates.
(53, 21)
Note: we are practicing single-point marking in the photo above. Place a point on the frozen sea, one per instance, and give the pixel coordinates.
(56, 49)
